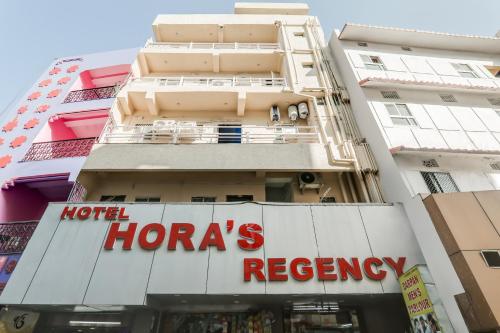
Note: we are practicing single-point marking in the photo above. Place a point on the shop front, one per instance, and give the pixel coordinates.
(216, 268)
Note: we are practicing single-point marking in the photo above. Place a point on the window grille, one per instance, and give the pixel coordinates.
(432, 163)
(448, 98)
(494, 101)
(400, 115)
(373, 62)
(390, 94)
(465, 70)
(491, 257)
(495, 166)
(439, 182)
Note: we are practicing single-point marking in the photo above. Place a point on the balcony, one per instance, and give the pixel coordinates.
(398, 79)
(184, 81)
(179, 133)
(59, 149)
(91, 94)
(160, 58)
(14, 236)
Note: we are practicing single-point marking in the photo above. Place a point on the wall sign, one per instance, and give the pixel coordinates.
(123, 234)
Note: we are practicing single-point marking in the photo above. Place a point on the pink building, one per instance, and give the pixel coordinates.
(45, 138)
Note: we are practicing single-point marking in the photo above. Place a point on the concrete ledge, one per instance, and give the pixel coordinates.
(200, 157)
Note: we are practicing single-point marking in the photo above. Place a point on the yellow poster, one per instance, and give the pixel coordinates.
(418, 302)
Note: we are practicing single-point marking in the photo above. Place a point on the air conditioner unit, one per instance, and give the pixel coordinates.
(309, 181)
(163, 127)
(274, 113)
(303, 110)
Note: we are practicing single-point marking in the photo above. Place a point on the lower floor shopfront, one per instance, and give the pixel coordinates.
(234, 267)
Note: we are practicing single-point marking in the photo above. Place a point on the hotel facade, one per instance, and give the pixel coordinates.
(227, 188)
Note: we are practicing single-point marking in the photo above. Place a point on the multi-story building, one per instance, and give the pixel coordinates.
(44, 140)
(230, 191)
(428, 105)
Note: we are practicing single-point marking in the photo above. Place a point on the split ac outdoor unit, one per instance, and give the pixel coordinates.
(309, 181)
(274, 113)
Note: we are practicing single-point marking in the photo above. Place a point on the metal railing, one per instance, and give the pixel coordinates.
(91, 94)
(214, 46)
(179, 133)
(14, 236)
(364, 73)
(233, 81)
(41, 151)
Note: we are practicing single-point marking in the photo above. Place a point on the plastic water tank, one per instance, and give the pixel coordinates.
(303, 110)
(293, 112)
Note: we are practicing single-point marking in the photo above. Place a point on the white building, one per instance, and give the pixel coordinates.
(427, 104)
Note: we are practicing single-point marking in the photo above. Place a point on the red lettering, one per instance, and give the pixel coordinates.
(68, 212)
(253, 266)
(345, 268)
(275, 266)
(307, 271)
(98, 211)
(143, 236)
(376, 275)
(115, 233)
(121, 215)
(325, 265)
(181, 232)
(111, 213)
(216, 240)
(397, 266)
(252, 237)
(84, 213)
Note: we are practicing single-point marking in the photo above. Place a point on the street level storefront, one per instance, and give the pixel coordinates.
(243, 267)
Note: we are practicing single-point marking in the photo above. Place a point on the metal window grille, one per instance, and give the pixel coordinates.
(390, 94)
(448, 98)
(439, 182)
(431, 163)
(491, 257)
(494, 101)
(495, 166)
(14, 236)
(78, 193)
(91, 94)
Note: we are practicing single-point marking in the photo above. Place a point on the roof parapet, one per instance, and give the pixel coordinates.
(270, 8)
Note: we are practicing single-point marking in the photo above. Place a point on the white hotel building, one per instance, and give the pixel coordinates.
(429, 106)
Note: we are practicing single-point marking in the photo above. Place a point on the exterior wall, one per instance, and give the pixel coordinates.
(182, 186)
(82, 272)
(395, 189)
(455, 216)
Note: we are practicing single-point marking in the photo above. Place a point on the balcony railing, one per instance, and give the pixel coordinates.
(214, 46)
(91, 94)
(59, 149)
(233, 81)
(179, 133)
(14, 236)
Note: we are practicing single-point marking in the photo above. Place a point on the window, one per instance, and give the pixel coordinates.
(401, 115)
(147, 199)
(236, 198)
(439, 182)
(465, 70)
(448, 98)
(309, 65)
(229, 133)
(203, 199)
(362, 44)
(432, 163)
(113, 198)
(328, 200)
(491, 257)
(299, 33)
(373, 62)
(320, 101)
(390, 94)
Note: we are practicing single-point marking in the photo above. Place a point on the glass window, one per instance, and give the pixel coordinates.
(439, 182)
(203, 199)
(491, 257)
(113, 198)
(236, 198)
(400, 115)
(465, 70)
(373, 62)
(147, 199)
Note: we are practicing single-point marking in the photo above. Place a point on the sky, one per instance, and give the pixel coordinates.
(35, 32)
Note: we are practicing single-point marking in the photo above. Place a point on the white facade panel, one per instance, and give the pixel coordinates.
(467, 118)
(382, 114)
(429, 138)
(393, 63)
(457, 140)
(471, 180)
(417, 65)
(442, 117)
(401, 136)
(421, 116)
(489, 117)
(484, 141)
(442, 67)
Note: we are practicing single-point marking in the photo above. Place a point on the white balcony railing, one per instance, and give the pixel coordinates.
(209, 81)
(214, 46)
(431, 79)
(190, 133)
